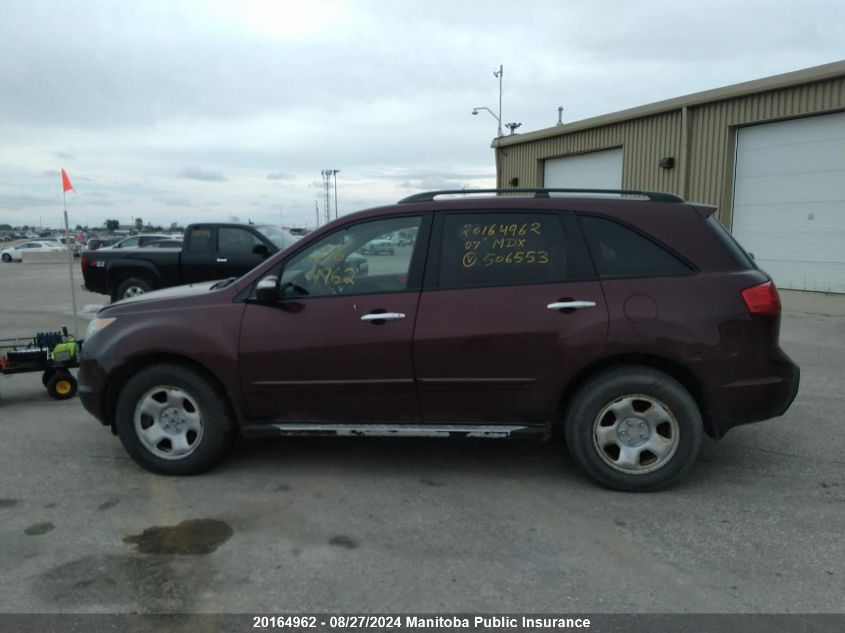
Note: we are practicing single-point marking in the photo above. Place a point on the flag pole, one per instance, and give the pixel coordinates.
(70, 268)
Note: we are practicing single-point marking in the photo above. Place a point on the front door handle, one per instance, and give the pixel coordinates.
(571, 305)
(383, 316)
(222, 260)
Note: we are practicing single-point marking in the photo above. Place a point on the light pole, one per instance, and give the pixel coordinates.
(334, 174)
(498, 120)
(328, 174)
(498, 74)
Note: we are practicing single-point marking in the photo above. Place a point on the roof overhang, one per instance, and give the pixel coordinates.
(796, 78)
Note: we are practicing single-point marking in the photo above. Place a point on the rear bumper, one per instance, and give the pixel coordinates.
(754, 399)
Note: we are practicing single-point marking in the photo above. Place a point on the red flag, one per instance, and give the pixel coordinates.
(66, 186)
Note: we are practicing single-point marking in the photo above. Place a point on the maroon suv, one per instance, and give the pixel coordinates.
(634, 323)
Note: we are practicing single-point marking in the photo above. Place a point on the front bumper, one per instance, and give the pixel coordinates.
(91, 380)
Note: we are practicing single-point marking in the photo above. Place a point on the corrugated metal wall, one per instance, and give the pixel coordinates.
(711, 132)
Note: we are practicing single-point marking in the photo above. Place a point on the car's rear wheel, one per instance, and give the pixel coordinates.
(634, 428)
(173, 421)
(132, 287)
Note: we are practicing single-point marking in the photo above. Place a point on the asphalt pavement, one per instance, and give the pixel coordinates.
(298, 525)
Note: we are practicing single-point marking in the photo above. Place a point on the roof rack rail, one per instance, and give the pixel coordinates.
(655, 196)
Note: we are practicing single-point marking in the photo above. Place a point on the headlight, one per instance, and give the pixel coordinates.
(96, 325)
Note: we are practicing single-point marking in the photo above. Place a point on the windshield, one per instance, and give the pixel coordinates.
(281, 238)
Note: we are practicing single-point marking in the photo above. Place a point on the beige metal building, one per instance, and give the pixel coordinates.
(770, 153)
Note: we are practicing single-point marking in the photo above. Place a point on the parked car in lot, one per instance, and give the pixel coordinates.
(15, 253)
(96, 243)
(379, 247)
(210, 251)
(137, 240)
(632, 325)
(168, 243)
(61, 241)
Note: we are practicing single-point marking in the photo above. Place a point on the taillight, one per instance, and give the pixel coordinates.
(762, 299)
(83, 263)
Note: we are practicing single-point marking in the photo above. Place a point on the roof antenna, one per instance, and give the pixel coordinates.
(560, 115)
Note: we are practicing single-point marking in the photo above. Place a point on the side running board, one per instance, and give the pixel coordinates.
(493, 431)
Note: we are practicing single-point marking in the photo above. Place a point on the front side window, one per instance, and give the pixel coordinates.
(236, 241)
(492, 249)
(622, 252)
(357, 259)
(282, 239)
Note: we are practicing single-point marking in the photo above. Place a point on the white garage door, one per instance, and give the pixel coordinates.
(596, 170)
(789, 200)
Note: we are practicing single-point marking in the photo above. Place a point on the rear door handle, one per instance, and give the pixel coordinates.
(383, 316)
(222, 260)
(571, 305)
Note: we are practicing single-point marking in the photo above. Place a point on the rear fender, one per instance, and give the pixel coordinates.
(120, 269)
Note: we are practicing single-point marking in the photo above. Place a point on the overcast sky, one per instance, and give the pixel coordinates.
(204, 110)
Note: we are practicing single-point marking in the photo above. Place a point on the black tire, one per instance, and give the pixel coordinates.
(61, 386)
(649, 408)
(206, 447)
(7, 258)
(130, 288)
(45, 377)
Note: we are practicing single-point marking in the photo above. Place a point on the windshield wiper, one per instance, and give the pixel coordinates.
(223, 283)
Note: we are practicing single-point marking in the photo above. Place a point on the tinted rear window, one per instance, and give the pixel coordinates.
(619, 251)
(201, 240)
(737, 253)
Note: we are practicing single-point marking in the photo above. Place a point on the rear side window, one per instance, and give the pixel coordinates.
(492, 249)
(737, 253)
(622, 252)
(201, 240)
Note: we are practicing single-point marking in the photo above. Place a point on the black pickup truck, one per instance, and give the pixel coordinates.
(209, 251)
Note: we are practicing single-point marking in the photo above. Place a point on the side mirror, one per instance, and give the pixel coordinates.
(267, 290)
(261, 249)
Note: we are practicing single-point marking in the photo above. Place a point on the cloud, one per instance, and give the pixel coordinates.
(175, 201)
(25, 201)
(280, 175)
(157, 91)
(195, 173)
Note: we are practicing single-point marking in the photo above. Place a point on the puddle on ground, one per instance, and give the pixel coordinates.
(343, 541)
(108, 504)
(431, 482)
(8, 503)
(37, 529)
(188, 538)
(126, 583)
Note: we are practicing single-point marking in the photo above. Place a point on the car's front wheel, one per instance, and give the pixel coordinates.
(173, 421)
(634, 428)
(7, 258)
